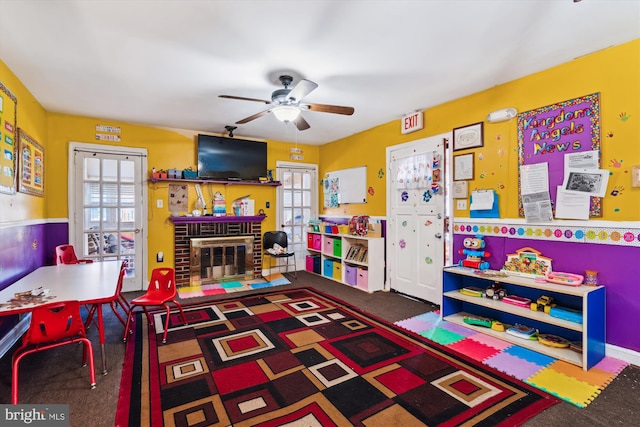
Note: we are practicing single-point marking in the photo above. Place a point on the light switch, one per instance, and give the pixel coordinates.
(461, 205)
(159, 203)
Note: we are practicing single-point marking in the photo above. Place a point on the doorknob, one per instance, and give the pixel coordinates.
(137, 230)
(438, 235)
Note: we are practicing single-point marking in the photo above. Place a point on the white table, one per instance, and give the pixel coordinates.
(93, 284)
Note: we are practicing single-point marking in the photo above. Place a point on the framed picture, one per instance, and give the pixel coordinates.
(8, 140)
(463, 167)
(470, 136)
(30, 165)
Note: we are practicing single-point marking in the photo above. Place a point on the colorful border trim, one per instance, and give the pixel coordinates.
(619, 236)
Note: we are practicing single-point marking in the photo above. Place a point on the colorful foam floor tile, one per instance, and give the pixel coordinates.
(561, 379)
(565, 387)
(275, 279)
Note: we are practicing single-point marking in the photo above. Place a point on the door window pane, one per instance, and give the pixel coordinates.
(109, 170)
(91, 169)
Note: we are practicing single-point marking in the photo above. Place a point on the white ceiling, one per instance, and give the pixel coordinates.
(164, 62)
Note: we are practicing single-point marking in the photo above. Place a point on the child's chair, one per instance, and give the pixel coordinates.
(65, 254)
(162, 290)
(53, 325)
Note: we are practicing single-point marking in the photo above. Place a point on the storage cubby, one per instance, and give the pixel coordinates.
(589, 301)
(356, 261)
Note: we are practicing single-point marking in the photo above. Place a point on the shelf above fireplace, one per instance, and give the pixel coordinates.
(222, 219)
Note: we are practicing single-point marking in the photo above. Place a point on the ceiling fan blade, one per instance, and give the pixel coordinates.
(242, 98)
(301, 123)
(255, 116)
(335, 109)
(302, 89)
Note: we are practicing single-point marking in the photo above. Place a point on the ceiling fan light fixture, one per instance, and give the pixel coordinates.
(286, 113)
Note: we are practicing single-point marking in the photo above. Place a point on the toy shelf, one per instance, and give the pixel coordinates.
(589, 301)
(331, 256)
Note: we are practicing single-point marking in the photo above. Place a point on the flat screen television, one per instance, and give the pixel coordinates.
(222, 158)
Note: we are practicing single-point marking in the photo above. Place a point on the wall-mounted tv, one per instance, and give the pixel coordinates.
(222, 158)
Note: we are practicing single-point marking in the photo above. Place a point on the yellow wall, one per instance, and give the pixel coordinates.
(31, 117)
(614, 73)
(167, 149)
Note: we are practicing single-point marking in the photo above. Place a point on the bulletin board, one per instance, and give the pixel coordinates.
(546, 134)
(346, 186)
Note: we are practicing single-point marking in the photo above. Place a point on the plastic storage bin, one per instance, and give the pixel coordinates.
(327, 245)
(363, 278)
(327, 270)
(350, 274)
(337, 247)
(337, 270)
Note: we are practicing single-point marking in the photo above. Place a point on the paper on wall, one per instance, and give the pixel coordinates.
(586, 181)
(572, 205)
(482, 200)
(581, 160)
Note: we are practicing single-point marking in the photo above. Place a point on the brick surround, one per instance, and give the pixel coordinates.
(186, 228)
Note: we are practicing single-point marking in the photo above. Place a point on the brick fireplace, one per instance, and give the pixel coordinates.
(186, 228)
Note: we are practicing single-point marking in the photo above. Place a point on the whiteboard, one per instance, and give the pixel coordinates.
(352, 184)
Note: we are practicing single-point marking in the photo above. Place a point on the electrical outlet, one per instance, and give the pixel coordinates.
(159, 203)
(461, 205)
(268, 205)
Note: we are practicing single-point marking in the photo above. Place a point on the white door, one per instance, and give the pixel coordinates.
(296, 204)
(106, 207)
(416, 217)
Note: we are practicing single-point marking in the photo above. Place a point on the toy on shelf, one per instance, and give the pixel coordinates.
(473, 246)
(495, 291)
(553, 340)
(544, 303)
(483, 321)
(472, 291)
(516, 300)
(523, 331)
(219, 205)
(564, 278)
(527, 262)
(565, 313)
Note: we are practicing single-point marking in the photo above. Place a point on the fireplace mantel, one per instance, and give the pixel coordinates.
(211, 218)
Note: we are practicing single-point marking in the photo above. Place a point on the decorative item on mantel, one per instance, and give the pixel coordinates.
(219, 205)
(527, 262)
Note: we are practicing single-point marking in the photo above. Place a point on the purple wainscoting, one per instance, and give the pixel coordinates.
(618, 270)
(24, 248)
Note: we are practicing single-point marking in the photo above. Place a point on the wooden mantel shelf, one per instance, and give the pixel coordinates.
(211, 218)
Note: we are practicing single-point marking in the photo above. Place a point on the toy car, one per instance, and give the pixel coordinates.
(544, 303)
(495, 291)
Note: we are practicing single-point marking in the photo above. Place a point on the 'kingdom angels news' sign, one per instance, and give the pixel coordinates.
(546, 134)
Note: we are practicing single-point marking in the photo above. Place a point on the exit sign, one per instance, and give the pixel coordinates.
(412, 122)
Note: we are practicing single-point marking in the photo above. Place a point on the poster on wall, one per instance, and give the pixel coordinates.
(8, 123)
(31, 165)
(548, 134)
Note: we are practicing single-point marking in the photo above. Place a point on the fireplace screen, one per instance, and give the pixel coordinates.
(220, 259)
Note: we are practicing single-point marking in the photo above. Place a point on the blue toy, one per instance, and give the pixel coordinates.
(474, 255)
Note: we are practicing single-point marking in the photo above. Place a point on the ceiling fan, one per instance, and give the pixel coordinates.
(286, 104)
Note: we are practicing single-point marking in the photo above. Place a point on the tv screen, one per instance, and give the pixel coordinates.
(231, 158)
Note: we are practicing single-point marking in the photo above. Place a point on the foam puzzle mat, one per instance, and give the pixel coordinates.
(561, 379)
(275, 279)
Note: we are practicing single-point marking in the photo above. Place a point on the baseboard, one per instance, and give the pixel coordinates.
(629, 356)
(11, 337)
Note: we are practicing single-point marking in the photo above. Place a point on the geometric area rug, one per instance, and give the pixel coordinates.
(227, 287)
(298, 357)
(559, 378)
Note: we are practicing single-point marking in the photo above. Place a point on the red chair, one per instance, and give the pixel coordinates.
(119, 301)
(53, 325)
(161, 291)
(65, 254)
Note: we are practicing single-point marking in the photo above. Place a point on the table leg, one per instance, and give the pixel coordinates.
(101, 331)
